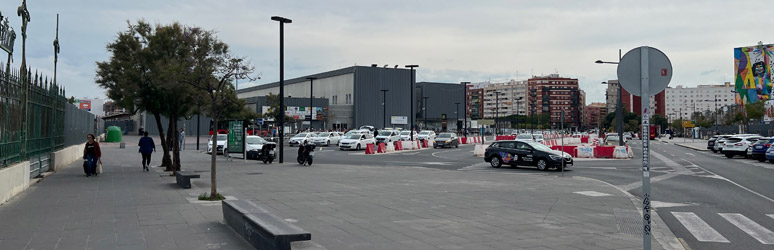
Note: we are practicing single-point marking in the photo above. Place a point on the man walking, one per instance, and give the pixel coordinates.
(181, 139)
(147, 147)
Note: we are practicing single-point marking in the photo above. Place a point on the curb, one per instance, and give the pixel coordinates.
(662, 234)
(690, 147)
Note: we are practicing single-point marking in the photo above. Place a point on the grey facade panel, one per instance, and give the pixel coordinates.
(368, 97)
(442, 97)
(328, 74)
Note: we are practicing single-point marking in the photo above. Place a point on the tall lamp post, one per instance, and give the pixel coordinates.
(619, 106)
(457, 116)
(518, 111)
(282, 21)
(311, 99)
(424, 108)
(497, 113)
(465, 115)
(384, 108)
(412, 116)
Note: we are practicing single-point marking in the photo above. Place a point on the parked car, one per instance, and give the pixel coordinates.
(711, 142)
(255, 144)
(326, 138)
(356, 141)
(406, 135)
(388, 136)
(759, 148)
(612, 139)
(525, 137)
(538, 138)
(770, 154)
(719, 143)
(300, 139)
(738, 145)
(221, 144)
(628, 136)
(525, 153)
(446, 140)
(426, 135)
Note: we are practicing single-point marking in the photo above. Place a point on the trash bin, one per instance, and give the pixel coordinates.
(113, 134)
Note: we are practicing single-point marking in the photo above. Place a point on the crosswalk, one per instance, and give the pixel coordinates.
(703, 232)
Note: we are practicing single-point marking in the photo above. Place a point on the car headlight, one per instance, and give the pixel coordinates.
(448, 141)
(555, 157)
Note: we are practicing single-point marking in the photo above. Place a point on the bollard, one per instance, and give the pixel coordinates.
(122, 145)
(370, 149)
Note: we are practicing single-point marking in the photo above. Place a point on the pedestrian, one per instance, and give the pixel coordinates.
(181, 139)
(147, 147)
(92, 154)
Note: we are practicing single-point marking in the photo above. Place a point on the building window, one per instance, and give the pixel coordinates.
(335, 100)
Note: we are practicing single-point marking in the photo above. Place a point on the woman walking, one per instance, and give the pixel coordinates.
(92, 154)
(147, 147)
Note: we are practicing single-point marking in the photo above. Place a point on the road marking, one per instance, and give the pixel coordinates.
(592, 193)
(698, 228)
(672, 154)
(662, 204)
(732, 182)
(755, 230)
(607, 168)
(690, 154)
(770, 216)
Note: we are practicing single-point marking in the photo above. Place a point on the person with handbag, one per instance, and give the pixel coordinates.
(147, 147)
(92, 155)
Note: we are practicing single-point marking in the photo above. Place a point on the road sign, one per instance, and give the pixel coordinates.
(659, 71)
(644, 72)
(260, 121)
(688, 124)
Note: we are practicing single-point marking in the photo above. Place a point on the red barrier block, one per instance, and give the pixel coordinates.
(398, 146)
(604, 151)
(370, 149)
(382, 148)
(567, 149)
(585, 139)
(464, 140)
(424, 143)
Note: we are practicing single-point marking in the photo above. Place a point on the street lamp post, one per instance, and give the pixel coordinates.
(619, 106)
(311, 100)
(384, 108)
(497, 113)
(518, 112)
(457, 116)
(465, 116)
(282, 21)
(424, 107)
(412, 98)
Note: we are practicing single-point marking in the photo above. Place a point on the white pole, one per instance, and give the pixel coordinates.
(645, 101)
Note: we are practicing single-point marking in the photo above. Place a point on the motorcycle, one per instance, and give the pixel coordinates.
(267, 153)
(305, 154)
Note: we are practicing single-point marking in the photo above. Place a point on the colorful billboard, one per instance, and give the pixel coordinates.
(752, 69)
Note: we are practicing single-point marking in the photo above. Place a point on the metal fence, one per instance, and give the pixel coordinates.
(34, 120)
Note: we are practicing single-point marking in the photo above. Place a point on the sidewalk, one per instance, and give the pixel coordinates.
(122, 208)
(343, 206)
(695, 144)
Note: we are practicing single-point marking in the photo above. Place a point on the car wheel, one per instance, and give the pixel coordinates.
(714, 151)
(729, 156)
(341, 149)
(542, 165)
(328, 144)
(358, 147)
(495, 162)
(771, 161)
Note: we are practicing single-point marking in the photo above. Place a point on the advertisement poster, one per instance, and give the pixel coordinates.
(752, 69)
(769, 114)
(299, 112)
(403, 120)
(85, 105)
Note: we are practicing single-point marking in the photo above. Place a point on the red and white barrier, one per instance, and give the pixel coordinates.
(370, 149)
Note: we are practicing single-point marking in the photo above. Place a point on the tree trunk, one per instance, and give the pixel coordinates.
(166, 161)
(170, 142)
(213, 178)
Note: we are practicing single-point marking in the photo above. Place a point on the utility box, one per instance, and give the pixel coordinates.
(113, 134)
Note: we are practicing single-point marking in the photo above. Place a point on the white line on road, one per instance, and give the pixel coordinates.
(592, 193)
(732, 182)
(755, 230)
(690, 154)
(770, 215)
(698, 228)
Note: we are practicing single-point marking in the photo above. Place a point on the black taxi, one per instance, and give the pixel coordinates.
(525, 153)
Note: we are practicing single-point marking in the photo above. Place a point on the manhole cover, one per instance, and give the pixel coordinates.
(628, 221)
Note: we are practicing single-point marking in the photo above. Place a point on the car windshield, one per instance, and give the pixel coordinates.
(326, 134)
(405, 133)
(612, 138)
(300, 135)
(733, 140)
(255, 140)
(356, 137)
(222, 137)
(523, 136)
(445, 135)
(538, 136)
(424, 133)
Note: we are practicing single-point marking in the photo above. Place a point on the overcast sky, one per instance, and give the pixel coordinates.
(452, 41)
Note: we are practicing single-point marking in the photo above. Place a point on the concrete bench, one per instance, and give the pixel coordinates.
(260, 228)
(184, 178)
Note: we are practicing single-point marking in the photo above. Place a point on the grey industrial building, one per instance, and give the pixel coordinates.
(354, 97)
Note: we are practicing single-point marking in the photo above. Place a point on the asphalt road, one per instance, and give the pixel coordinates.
(708, 201)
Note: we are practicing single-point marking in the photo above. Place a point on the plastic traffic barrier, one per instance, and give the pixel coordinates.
(584, 152)
(370, 149)
(382, 148)
(398, 146)
(479, 150)
(620, 152)
(464, 140)
(406, 145)
(424, 143)
(567, 149)
(604, 151)
(416, 145)
(390, 147)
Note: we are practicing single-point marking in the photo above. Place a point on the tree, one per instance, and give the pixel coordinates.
(145, 73)
(71, 100)
(213, 69)
(274, 111)
(756, 110)
(658, 120)
(677, 124)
